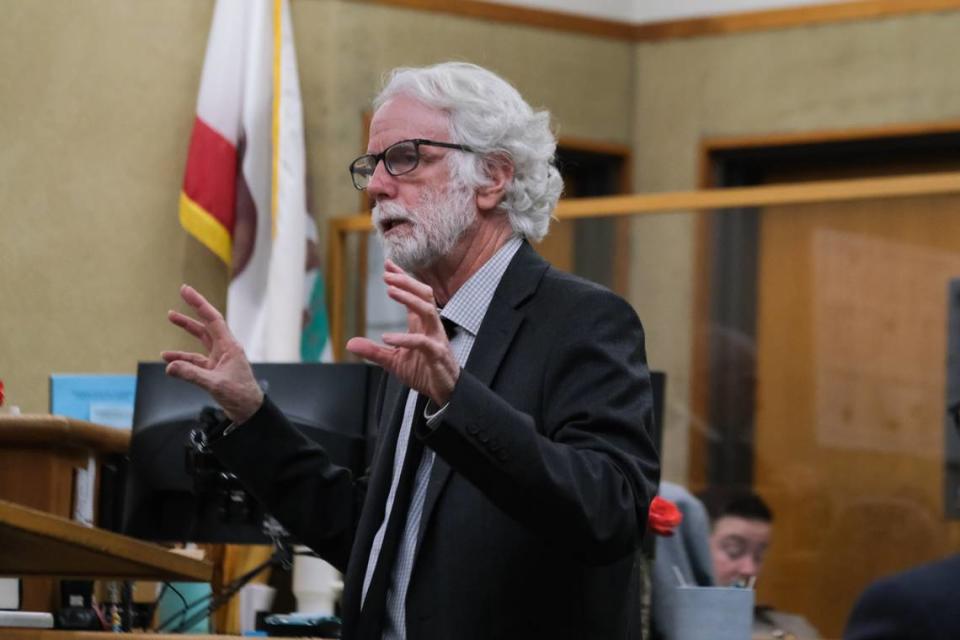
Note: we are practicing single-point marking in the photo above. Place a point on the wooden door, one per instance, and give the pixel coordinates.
(850, 398)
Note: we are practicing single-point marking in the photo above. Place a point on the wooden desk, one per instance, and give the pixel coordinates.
(34, 543)
(40, 456)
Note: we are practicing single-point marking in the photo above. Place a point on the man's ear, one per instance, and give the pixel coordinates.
(500, 173)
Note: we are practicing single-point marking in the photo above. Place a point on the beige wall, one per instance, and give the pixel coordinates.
(96, 103)
(870, 73)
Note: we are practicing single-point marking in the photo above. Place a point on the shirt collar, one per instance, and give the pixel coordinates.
(469, 304)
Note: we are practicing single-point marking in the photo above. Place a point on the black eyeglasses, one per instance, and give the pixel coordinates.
(399, 158)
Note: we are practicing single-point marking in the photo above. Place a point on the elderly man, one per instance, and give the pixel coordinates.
(510, 485)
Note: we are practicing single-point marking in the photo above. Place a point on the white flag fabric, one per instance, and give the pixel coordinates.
(244, 192)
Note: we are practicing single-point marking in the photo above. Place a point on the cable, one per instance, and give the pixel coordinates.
(277, 558)
(182, 612)
(282, 556)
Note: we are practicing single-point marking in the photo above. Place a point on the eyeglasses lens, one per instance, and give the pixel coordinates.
(402, 158)
(362, 170)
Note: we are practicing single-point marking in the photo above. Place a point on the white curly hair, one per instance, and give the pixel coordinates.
(491, 117)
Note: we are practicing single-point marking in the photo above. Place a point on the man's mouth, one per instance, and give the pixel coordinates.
(389, 224)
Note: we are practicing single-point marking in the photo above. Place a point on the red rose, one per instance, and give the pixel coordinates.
(663, 517)
(1, 393)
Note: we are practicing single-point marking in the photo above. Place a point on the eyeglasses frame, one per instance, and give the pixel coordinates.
(417, 143)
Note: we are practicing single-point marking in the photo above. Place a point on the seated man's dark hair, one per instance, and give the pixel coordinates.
(741, 503)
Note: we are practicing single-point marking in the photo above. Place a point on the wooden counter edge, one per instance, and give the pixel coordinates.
(155, 559)
(45, 429)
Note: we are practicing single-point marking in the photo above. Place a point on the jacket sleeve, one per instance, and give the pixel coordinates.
(582, 473)
(885, 611)
(316, 500)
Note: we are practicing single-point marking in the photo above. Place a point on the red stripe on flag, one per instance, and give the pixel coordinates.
(210, 178)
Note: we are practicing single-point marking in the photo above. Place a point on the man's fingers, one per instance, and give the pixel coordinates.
(212, 318)
(407, 283)
(193, 358)
(424, 310)
(370, 350)
(392, 267)
(191, 373)
(187, 323)
(415, 341)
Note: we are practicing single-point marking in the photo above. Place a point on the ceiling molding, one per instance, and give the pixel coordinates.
(786, 18)
(519, 15)
(686, 28)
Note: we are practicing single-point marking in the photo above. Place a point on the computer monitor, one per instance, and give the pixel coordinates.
(169, 497)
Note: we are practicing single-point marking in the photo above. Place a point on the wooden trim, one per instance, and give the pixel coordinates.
(698, 446)
(762, 20)
(727, 143)
(787, 18)
(525, 16)
(336, 237)
(684, 201)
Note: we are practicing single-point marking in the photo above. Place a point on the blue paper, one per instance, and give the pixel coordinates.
(102, 398)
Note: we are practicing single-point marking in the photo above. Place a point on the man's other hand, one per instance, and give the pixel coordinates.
(420, 358)
(222, 370)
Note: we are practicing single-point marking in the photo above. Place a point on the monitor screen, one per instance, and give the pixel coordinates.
(174, 495)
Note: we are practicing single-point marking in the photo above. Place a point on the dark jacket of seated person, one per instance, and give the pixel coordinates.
(919, 603)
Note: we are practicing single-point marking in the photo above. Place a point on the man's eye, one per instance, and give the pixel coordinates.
(402, 157)
(733, 548)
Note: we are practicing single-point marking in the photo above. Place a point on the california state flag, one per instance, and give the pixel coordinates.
(244, 197)
(244, 192)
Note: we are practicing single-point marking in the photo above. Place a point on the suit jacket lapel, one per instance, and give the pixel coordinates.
(500, 324)
(378, 486)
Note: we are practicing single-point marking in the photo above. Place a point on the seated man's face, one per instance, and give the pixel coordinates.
(737, 546)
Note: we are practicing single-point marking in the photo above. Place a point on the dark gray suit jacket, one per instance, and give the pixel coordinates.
(538, 497)
(920, 604)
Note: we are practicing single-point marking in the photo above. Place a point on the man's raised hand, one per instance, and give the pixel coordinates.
(421, 357)
(222, 370)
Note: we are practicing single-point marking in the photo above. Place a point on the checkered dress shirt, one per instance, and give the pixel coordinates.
(466, 309)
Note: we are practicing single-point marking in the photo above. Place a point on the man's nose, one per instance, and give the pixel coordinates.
(748, 567)
(382, 184)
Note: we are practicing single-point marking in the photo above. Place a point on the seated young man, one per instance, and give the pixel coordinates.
(741, 528)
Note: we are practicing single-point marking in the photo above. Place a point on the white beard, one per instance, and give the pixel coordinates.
(431, 230)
